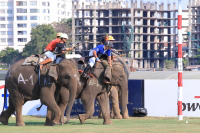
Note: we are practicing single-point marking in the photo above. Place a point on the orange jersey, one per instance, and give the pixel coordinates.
(52, 45)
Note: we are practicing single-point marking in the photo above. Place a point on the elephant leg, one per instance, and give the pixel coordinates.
(63, 102)
(19, 121)
(5, 115)
(72, 91)
(115, 103)
(17, 100)
(103, 100)
(125, 115)
(100, 114)
(88, 101)
(47, 98)
(49, 118)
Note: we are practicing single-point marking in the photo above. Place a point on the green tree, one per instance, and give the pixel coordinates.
(9, 55)
(185, 62)
(41, 35)
(64, 26)
(169, 64)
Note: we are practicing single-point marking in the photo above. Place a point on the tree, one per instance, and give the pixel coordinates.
(169, 64)
(64, 26)
(185, 62)
(41, 35)
(9, 55)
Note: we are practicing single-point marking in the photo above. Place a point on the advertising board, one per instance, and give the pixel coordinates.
(160, 97)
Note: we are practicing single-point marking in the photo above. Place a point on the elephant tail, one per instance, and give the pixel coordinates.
(4, 97)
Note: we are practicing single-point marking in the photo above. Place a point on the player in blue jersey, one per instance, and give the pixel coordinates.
(96, 52)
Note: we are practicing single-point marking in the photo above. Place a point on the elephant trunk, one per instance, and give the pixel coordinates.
(72, 96)
(124, 99)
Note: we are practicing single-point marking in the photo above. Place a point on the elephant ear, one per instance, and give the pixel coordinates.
(53, 72)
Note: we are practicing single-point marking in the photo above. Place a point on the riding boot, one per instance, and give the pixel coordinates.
(84, 74)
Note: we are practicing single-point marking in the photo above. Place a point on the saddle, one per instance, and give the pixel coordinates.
(83, 61)
(34, 60)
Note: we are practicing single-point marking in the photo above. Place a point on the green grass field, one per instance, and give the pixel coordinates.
(133, 124)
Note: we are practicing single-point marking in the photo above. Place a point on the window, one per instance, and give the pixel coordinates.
(21, 17)
(2, 32)
(9, 19)
(2, 19)
(22, 39)
(22, 33)
(63, 6)
(9, 25)
(44, 17)
(43, 3)
(2, 11)
(58, 5)
(48, 18)
(9, 3)
(21, 10)
(58, 12)
(44, 11)
(48, 10)
(9, 40)
(34, 11)
(2, 25)
(3, 39)
(21, 25)
(33, 25)
(21, 3)
(33, 3)
(48, 4)
(34, 18)
(10, 33)
(2, 3)
(9, 11)
(63, 13)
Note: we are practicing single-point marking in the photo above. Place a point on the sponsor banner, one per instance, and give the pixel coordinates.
(161, 98)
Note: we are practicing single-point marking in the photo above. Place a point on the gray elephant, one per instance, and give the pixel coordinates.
(87, 91)
(23, 85)
(119, 78)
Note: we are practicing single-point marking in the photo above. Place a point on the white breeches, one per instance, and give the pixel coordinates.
(50, 54)
(92, 59)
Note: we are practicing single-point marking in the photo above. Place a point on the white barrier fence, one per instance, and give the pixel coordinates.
(160, 97)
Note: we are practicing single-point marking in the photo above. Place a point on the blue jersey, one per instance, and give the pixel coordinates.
(100, 50)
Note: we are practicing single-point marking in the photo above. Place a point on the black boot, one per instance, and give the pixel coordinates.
(84, 74)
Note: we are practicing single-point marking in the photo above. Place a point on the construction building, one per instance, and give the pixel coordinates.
(194, 31)
(155, 29)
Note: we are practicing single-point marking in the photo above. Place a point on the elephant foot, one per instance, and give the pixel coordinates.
(66, 121)
(56, 122)
(48, 124)
(81, 117)
(117, 117)
(125, 117)
(108, 123)
(4, 121)
(20, 124)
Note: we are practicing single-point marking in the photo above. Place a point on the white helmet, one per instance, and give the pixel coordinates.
(64, 36)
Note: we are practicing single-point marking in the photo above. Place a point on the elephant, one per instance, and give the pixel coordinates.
(87, 91)
(120, 73)
(23, 85)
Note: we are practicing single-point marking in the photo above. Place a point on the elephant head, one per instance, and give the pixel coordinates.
(65, 74)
